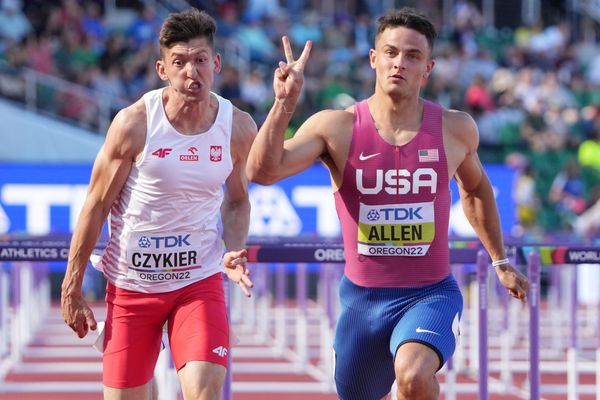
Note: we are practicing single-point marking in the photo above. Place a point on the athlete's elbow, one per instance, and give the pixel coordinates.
(264, 180)
(260, 175)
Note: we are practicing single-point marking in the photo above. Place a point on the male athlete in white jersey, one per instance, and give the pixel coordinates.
(161, 174)
(390, 158)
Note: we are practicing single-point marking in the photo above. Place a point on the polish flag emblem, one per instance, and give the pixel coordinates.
(216, 153)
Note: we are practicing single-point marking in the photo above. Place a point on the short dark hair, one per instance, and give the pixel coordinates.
(185, 26)
(409, 18)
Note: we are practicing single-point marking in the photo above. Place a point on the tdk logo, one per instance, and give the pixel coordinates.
(165, 242)
(401, 214)
(373, 215)
(144, 242)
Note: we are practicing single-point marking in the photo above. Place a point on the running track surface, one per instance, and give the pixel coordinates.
(58, 359)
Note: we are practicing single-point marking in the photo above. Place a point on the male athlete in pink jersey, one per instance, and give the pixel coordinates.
(390, 158)
(161, 174)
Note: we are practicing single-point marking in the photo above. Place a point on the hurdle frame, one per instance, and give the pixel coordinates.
(28, 249)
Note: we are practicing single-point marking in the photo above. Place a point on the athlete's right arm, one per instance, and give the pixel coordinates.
(124, 141)
(270, 160)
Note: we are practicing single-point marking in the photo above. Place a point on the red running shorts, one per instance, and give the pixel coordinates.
(197, 326)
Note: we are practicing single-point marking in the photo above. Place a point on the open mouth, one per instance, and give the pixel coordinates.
(397, 77)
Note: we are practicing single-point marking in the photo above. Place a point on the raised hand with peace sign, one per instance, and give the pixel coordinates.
(289, 76)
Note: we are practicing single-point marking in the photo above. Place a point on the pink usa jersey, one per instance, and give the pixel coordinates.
(394, 205)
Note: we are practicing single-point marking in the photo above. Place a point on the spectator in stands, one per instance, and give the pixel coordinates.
(145, 27)
(306, 28)
(254, 90)
(568, 192)
(478, 97)
(259, 9)
(252, 36)
(588, 223)
(92, 25)
(40, 57)
(529, 52)
(589, 152)
(14, 26)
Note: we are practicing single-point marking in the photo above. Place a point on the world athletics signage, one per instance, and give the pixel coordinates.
(44, 199)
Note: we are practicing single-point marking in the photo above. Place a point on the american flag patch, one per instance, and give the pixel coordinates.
(429, 155)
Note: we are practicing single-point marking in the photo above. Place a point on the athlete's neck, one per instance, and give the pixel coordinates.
(393, 117)
(190, 116)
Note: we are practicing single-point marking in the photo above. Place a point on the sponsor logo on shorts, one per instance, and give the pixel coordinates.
(221, 351)
(421, 330)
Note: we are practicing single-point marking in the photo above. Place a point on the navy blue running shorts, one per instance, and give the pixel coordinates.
(375, 322)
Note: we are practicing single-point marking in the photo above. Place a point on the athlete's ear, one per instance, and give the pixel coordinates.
(217, 60)
(161, 71)
(372, 56)
(428, 68)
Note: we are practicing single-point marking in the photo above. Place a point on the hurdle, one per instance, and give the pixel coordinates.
(534, 325)
(31, 254)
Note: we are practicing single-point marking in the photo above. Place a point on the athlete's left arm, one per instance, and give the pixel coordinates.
(235, 210)
(479, 204)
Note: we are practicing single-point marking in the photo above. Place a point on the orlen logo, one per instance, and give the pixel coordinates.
(161, 153)
(399, 181)
(189, 157)
(216, 153)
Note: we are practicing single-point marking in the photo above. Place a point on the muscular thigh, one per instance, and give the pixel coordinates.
(375, 322)
(364, 367)
(132, 339)
(198, 325)
(433, 321)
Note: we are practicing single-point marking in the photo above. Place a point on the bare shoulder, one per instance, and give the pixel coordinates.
(127, 132)
(460, 125)
(243, 128)
(328, 124)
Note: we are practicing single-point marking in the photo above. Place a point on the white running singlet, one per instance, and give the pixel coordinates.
(165, 224)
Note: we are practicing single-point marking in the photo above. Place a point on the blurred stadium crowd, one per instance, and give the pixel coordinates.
(533, 89)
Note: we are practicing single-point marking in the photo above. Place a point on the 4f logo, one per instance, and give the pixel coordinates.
(216, 153)
(161, 153)
(220, 351)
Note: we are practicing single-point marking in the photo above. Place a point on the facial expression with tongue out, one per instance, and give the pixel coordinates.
(190, 68)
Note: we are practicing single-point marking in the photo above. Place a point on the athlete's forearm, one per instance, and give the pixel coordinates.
(480, 209)
(236, 222)
(267, 150)
(83, 242)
